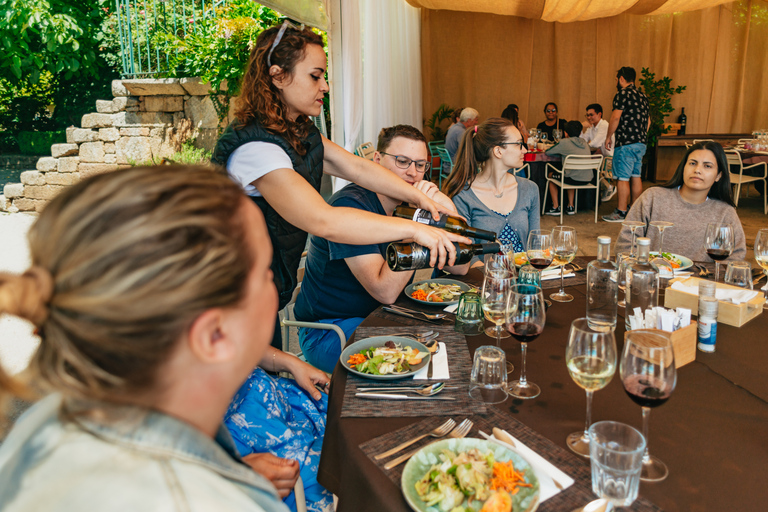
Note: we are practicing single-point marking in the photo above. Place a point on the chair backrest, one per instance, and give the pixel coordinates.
(696, 141)
(742, 141)
(734, 158)
(365, 150)
(581, 162)
(444, 155)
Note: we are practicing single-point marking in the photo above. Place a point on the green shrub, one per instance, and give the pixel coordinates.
(39, 143)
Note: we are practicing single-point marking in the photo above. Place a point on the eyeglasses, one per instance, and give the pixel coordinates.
(404, 162)
(517, 143)
(285, 26)
(551, 110)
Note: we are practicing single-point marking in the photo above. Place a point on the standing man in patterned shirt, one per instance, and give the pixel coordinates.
(630, 121)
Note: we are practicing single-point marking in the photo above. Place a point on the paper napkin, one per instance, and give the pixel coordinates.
(726, 294)
(439, 366)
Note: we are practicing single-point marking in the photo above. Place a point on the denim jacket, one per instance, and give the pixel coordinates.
(152, 462)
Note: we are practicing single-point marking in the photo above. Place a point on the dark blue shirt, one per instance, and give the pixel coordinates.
(329, 289)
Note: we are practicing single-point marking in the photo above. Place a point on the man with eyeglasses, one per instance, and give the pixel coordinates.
(552, 122)
(594, 134)
(344, 283)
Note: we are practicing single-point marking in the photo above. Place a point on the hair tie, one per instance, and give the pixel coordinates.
(475, 128)
(28, 295)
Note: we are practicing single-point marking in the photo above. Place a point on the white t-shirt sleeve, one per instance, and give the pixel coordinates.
(253, 160)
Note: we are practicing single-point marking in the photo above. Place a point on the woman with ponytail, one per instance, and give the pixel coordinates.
(152, 294)
(484, 190)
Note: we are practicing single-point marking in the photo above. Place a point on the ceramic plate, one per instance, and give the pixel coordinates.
(379, 341)
(463, 287)
(685, 263)
(526, 499)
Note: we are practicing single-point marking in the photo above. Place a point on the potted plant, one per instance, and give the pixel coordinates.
(443, 113)
(659, 93)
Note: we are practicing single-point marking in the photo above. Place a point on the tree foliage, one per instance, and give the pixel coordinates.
(659, 93)
(60, 37)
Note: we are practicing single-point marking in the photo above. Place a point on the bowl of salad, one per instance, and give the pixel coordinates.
(469, 475)
(385, 357)
(440, 292)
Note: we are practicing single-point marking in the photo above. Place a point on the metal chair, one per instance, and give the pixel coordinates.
(525, 168)
(575, 163)
(432, 146)
(444, 157)
(365, 150)
(737, 179)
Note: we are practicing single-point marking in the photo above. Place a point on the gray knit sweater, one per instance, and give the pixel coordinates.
(686, 237)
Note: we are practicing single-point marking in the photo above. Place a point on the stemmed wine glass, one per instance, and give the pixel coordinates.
(556, 135)
(649, 377)
(543, 137)
(501, 261)
(633, 226)
(719, 243)
(496, 285)
(591, 360)
(623, 261)
(539, 249)
(526, 316)
(761, 255)
(564, 247)
(660, 262)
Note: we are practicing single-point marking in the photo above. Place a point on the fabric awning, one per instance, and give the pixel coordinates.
(311, 12)
(568, 10)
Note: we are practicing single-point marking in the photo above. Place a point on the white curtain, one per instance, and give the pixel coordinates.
(381, 68)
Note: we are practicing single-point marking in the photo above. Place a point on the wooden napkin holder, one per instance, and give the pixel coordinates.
(728, 312)
(683, 342)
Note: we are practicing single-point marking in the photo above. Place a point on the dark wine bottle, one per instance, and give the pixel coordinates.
(410, 256)
(682, 119)
(446, 222)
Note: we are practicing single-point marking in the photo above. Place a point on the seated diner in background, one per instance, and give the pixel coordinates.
(698, 193)
(484, 190)
(513, 114)
(344, 283)
(596, 130)
(571, 144)
(552, 121)
(145, 338)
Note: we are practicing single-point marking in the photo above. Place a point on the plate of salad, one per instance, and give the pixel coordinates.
(441, 292)
(385, 357)
(469, 475)
(678, 262)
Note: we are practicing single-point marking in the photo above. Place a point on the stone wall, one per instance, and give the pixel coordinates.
(146, 121)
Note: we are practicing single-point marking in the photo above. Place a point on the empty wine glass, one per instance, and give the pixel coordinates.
(623, 261)
(761, 255)
(649, 376)
(544, 137)
(557, 135)
(591, 360)
(496, 285)
(503, 260)
(633, 226)
(526, 316)
(719, 243)
(564, 247)
(661, 263)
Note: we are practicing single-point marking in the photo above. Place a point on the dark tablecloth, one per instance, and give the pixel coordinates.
(712, 434)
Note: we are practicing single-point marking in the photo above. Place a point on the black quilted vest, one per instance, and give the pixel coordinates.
(288, 241)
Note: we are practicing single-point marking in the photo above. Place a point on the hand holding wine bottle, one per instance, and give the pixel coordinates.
(447, 222)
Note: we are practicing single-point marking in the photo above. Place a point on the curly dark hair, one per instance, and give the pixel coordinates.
(259, 99)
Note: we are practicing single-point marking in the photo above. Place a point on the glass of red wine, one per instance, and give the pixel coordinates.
(526, 316)
(649, 376)
(719, 243)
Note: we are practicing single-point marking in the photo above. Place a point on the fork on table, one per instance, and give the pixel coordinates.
(459, 432)
(440, 431)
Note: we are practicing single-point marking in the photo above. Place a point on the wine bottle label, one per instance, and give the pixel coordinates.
(425, 217)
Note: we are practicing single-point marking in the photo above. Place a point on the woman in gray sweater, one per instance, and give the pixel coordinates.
(698, 193)
(485, 192)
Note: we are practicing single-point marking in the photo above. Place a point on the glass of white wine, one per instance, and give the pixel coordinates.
(591, 360)
(564, 247)
(496, 286)
(761, 255)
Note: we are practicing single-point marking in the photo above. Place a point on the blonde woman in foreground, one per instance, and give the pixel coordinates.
(152, 293)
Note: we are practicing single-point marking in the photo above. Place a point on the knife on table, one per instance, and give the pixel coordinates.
(409, 315)
(389, 396)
